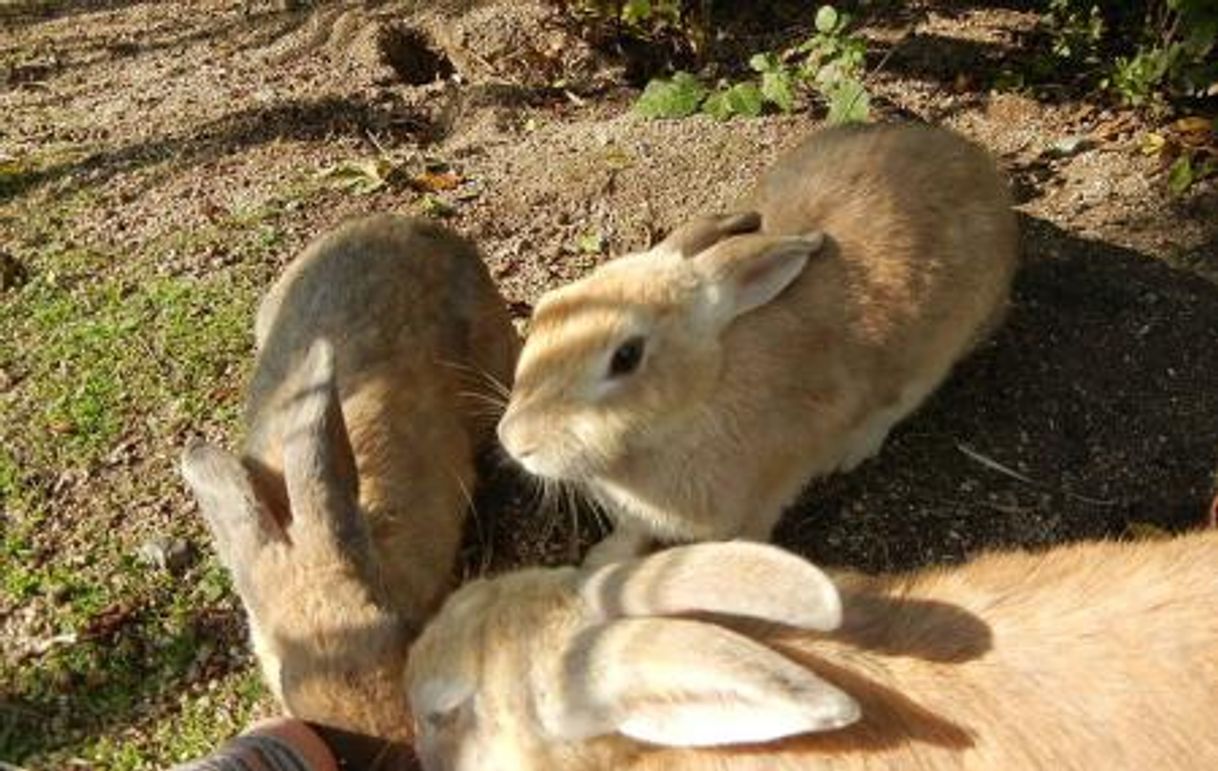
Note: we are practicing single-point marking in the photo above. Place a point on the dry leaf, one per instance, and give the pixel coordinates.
(435, 181)
(1153, 144)
(1195, 131)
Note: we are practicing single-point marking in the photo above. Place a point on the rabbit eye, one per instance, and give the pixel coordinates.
(627, 357)
(440, 720)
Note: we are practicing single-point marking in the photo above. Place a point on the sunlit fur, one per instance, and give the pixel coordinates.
(423, 344)
(422, 350)
(1098, 655)
(728, 417)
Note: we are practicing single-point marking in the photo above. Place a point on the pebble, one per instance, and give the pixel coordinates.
(1068, 146)
(169, 554)
(12, 273)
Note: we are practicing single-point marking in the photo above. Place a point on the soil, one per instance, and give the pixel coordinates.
(1093, 412)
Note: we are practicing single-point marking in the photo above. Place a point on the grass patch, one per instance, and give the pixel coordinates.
(101, 355)
(122, 666)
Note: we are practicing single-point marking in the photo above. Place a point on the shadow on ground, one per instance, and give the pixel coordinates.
(1092, 413)
(123, 666)
(297, 119)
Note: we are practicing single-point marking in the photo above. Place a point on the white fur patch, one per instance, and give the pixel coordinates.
(440, 694)
(716, 723)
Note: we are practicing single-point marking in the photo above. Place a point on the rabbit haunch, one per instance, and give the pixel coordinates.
(695, 388)
(1101, 655)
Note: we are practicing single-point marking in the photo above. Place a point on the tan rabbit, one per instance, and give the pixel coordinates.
(331, 644)
(1101, 655)
(695, 388)
(420, 334)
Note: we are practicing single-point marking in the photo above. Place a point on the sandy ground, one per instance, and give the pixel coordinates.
(1093, 411)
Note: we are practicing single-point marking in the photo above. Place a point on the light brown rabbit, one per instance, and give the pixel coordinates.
(695, 388)
(1101, 655)
(420, 334)
(331, 643)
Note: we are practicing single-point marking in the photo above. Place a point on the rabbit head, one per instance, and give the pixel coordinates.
(615, 362)
(546, 668)
(330, 647)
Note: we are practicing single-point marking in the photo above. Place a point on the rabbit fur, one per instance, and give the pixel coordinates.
(422, 340)
(371, 347)
(695, 388)
(737, 655)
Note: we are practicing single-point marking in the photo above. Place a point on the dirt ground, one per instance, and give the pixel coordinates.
(1093, 412)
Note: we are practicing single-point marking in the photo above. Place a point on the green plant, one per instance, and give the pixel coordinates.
(676, 98)
(643, 12)
(1187, 169)
(828, 65)
(1076, 28)
(1176, 59)
(1135, 79)
(642, 18)
(833, 62)
(739, 99)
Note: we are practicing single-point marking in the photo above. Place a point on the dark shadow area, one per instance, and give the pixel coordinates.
(882, 624)
(362, 752)
(324, 118)
(122, 665)
(901, 626)
(931, 57)
(890, 719)
(414, 57)
(1101, 392)
(514, 522)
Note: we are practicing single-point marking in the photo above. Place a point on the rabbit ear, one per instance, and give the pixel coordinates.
(683, 683)
(239, 524)
(706, 231)
(748, 272)
(736, 578)
(318, 464)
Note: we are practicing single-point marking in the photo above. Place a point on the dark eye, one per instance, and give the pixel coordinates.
(627, 357)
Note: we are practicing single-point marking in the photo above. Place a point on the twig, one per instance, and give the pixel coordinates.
(375, 142)
(990, 463)
(994, 465)
(891, 50)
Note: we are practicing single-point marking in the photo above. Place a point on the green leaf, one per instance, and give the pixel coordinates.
(741, 99)
(848, 102)
(1181, 177)
(746, 99)
(675, 98)
(826, 19)
(591, 243)
(716, 106)
(765, 62)
(776, 87)
(360, 177)
(635, 11)
(436, 207)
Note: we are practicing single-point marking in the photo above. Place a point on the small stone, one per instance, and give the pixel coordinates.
(1069, 146)
(169, 554)
(12, 273)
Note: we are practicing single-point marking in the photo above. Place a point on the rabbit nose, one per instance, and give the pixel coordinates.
(513, 440)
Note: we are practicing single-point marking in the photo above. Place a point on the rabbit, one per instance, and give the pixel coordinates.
(419, 333)
(331, 643)
(694, 388)
(738, 655)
